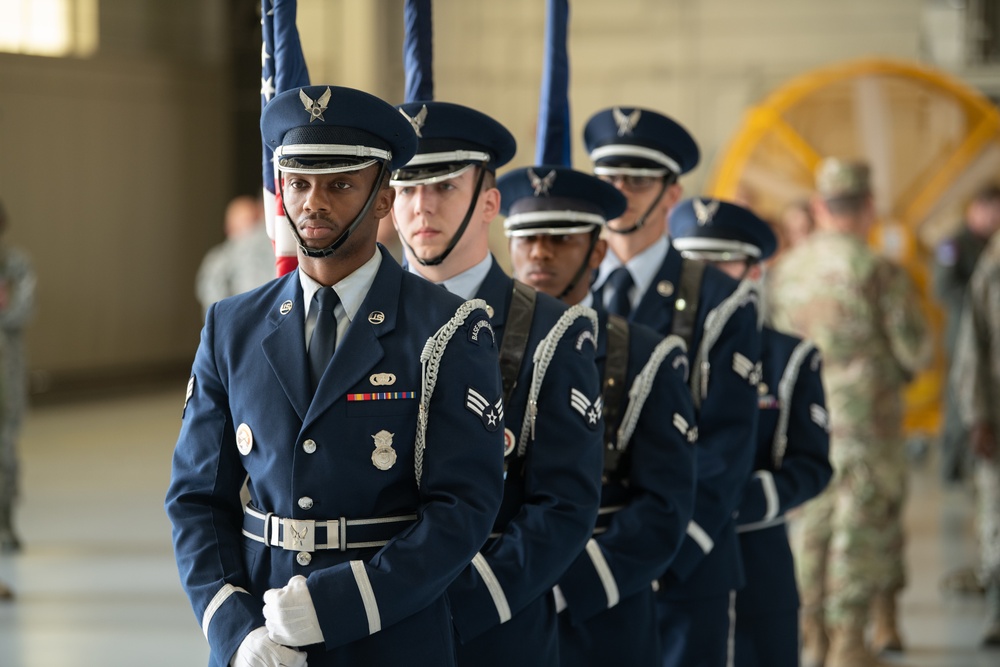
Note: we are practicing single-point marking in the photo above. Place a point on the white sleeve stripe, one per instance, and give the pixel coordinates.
(367, 596)
(770, 493)
(701, 538)
(493, 586)
(217, 602)
(604, 573)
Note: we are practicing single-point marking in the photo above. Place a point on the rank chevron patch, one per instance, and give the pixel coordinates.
(491, 413)
(746, 369)
(688, 431)
(591, 411)
(819, 416)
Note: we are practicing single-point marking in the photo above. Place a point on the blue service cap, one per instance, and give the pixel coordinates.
(556, 200)
(638, 142)
(720, 231)
(329, 129)
(452, 138)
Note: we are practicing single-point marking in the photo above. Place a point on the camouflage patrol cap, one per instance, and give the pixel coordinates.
(843, 179)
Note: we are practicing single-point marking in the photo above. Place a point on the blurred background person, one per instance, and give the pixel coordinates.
(243, 261)
(975, 377)
(797, 224)
(954, 262)
(17, 300)
(864, 316)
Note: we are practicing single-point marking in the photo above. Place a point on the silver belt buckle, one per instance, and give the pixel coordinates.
(299, 535)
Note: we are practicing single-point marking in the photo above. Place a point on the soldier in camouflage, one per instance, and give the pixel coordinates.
(954, 261)
(976, 382)
(17, 298)
(862, 313)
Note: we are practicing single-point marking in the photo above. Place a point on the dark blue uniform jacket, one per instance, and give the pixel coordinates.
(312, 458)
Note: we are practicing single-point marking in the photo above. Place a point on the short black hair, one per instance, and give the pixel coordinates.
(987, 194)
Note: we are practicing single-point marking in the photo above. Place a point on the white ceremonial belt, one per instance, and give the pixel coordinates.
(604, 516)
(315, 535)
(761, 525)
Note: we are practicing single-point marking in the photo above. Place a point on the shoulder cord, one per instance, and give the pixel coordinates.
(785, 388)
(542, 358)
(430, 361)
(642, 385)
(715, 322)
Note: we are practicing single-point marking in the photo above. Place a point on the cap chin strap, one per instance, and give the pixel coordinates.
(358, 219)
(434, 261)
(594, 236)
(642, 218)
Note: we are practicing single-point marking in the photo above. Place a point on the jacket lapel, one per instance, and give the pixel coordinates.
(284, 347)
(497, 290)
(656, 310)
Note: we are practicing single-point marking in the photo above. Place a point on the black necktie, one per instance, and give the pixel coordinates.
(619, 282)
(324, 337)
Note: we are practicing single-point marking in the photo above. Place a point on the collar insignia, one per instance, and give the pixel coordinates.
(705, 212)
(625, 123)
(541, 185)
(315, 108)
(417, 122)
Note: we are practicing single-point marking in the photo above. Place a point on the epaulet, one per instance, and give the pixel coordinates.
(542, 358)
(430, 362)
(786, 387)
(642, 385)
(715, 322)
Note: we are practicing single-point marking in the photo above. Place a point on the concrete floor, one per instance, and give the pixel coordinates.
(97, 586)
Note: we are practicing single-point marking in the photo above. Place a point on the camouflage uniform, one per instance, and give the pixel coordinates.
(18, 278)
(976, 381)
(862, 313)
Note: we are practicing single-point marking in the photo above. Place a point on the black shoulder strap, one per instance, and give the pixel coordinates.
(515, 336)
(688, 295)
(615, 369)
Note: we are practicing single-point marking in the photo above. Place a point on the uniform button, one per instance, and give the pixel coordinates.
(303, 558)
(309, 446)
(305, 502)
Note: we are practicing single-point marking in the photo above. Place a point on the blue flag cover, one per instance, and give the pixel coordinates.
(282, 67)
(552, 142)
(418, 51)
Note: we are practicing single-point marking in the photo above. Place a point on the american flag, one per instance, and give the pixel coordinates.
(282, 67)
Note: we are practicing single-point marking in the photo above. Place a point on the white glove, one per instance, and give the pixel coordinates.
(257, 650)
(290, 614)
(560, 599)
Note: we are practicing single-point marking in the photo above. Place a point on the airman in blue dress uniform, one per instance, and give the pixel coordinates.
(647, 499)
(645, 279)
(372, 484)
(792, 463)
(502, 604)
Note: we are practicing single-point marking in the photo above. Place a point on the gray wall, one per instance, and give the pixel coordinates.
(115, 173)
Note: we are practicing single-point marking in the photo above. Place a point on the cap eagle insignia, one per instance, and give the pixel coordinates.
(315, 108)
(625, 123)
(417, 121)
(705, 212)
(541, 185)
